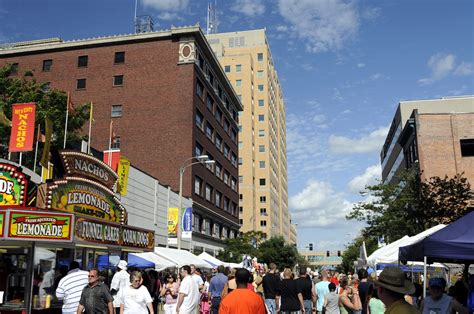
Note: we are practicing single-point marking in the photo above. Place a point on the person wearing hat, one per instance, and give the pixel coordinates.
(440, 302)
(119, 282)
(392, 287)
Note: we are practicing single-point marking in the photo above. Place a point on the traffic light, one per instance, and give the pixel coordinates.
(327, 253)
(339, 253)
(310, 246)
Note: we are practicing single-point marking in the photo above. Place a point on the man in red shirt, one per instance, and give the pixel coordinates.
(242, 300)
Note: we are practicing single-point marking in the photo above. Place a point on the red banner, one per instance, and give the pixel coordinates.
(23, 127)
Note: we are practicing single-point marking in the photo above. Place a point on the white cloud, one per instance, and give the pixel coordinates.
(168, 9)
(369, 177)
(318, 205)
(360, 65)
(365, 144)
(282, 28)
(324, 24)
(442, 65)
(250, 8)
(463, 69)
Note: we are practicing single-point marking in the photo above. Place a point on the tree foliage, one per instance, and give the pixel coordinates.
(50, 103)
(255, 244)
(412, 205)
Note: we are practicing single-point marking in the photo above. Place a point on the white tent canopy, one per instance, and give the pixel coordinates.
(389, 253)
(160, 262)
(181, 257)
(214, 261)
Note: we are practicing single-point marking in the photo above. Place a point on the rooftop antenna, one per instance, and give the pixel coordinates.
(211, 18)
(143, 23)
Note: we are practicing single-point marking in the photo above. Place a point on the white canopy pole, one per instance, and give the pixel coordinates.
(424, 278)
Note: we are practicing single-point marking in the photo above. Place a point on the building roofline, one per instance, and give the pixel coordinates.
(446, 98)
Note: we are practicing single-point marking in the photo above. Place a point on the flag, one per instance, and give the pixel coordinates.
(47, 144)
(90, 129)
(3, 118)
(111, 133)
(70, 105)
(40, 136)
(122, 171)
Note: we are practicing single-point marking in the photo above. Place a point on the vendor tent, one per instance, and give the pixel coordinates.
(389, 254)
(210, 259)
(455, 243)
(149, 260)
(181, 257)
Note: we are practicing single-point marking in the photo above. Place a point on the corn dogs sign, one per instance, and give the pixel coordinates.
(23, 127)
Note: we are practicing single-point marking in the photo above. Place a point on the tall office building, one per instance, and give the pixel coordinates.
(263, 186)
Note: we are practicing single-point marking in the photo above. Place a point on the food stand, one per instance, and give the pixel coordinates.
(74, 216)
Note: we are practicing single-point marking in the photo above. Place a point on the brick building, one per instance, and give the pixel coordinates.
(169, 100)
(437, 133)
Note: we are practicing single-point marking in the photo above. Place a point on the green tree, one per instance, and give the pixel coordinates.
(412, 205)
(277, 251)
(50, 103)
(246, 244)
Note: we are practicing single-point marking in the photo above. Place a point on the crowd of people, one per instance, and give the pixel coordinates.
(273, 290)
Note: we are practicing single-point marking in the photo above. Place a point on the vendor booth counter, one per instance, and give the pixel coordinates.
(44, 227)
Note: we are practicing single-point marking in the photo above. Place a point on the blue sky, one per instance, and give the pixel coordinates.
(343, 66)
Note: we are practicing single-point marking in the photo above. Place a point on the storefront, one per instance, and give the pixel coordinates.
(74, 217)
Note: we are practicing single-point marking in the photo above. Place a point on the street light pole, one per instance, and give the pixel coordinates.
(202, 159)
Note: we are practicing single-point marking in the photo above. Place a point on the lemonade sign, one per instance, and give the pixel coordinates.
(83, 197)
(12, 186)
(39, 226)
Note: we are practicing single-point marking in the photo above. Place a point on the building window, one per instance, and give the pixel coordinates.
(261, 148)
(46, 87)
(218, 115)
(260, 88)
(241, 179)
(259, 56)
(241, 197)
(263, 199)
(115, 143)
(226, 151)
(218, 199)
(260, 73)
(233, 159)
(261, 117)
(240, 161)
(261, 133)
(241, 221)
(47, 64)
(240, 129)
(238, 68)
(241, 209)
(199, 119)
(263, 182)
(198, 150)
(118, 80)
(263, 223)
(226, 177)
(239, 97)
(261, 164)
(233, 135)
(210, 103)
(14, 68)
(208, 192)
(227, 68)
(197, 185)
(261, 102)
(81, 84)
(238, 83)
(218, 170)
(226, 204)
(82, 61)
(119, 57)
(226, 126)
(263, 211)
(219, 142)
(467, 147)
(116, 111)
(233, 184)
(209, 132)
(199, 88)
(210, 166)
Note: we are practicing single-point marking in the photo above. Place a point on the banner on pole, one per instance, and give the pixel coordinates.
(23, 127)
(47, 144)
(122, 171)
(187, 223)
(172, 225)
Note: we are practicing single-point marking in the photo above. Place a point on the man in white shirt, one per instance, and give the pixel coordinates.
(188, 297)
(119, 282)
(70, 288)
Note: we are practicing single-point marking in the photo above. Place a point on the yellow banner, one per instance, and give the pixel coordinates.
(122, 171)
(172, 225)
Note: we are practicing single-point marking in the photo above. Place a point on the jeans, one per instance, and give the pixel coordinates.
(271, 306)
(215, 303)
(308, 306)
